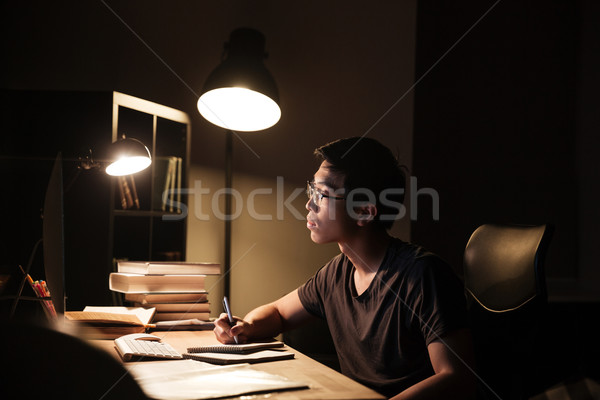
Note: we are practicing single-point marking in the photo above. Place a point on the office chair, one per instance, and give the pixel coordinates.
(506, 290)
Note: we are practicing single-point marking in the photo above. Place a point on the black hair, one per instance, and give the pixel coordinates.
(365, 163)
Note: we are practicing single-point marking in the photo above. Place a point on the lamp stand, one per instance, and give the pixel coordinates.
(228, 196)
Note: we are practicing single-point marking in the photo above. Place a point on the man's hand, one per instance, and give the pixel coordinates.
(225, 332)
(263, 322)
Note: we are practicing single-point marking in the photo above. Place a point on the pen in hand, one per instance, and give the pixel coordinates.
(228, 311)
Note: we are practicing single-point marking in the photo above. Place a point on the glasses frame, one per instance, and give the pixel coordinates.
(316, 195)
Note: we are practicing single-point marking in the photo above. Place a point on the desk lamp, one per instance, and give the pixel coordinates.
(130, 156)
(127, 156)
(239, 95)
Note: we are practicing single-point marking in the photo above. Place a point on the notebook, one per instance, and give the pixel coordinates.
(245, 348)
(236, 358)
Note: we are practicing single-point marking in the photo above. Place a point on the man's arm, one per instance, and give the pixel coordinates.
(265, 321)
(452, 359)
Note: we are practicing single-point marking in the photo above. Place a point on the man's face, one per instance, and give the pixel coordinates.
(327, 219)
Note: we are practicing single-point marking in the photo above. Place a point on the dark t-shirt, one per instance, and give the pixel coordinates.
(381, 336)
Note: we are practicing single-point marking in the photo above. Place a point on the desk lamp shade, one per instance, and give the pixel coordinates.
(240, 94)
(130, 156)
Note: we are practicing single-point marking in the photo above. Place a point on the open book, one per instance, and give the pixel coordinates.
(111, 322)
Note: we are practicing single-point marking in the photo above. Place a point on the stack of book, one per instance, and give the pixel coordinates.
(175, 289)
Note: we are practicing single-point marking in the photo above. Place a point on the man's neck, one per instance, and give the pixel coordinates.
(366, 252)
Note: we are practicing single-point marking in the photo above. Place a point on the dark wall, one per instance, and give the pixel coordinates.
(338, 65)
(588, 142)
(495, 126)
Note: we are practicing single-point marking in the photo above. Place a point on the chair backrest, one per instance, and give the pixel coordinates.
(505, 281)
(504, 265)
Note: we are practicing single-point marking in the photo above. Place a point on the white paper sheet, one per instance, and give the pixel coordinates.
(189, 379)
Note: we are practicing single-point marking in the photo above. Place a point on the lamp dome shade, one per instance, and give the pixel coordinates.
(240, 94)
(129, 156)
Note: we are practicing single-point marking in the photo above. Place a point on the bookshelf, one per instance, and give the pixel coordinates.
(156, 231)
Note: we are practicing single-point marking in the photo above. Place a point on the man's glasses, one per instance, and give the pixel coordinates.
(316, 195)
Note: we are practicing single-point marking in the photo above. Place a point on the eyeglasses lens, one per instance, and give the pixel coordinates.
(312, 193)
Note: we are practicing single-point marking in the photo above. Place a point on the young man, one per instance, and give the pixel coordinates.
(395, 311)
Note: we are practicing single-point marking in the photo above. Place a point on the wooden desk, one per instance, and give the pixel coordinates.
(325, 383)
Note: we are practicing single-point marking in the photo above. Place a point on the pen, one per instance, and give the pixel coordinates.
(228, 311)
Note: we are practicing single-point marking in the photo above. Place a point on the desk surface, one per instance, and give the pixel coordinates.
(325, 383)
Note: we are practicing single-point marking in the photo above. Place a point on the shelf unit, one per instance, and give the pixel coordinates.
(145, 234)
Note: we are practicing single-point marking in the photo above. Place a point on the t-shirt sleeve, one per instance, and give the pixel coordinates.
(311, 293)
(438, 300)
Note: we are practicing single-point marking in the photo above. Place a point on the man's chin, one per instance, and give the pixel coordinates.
(318, 239)
(314, 237)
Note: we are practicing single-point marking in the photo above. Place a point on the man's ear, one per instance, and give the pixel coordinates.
(366, 214)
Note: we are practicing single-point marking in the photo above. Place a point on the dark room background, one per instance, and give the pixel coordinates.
(503, 124)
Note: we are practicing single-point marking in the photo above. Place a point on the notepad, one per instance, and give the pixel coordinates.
(245, 348)
(236, 358)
